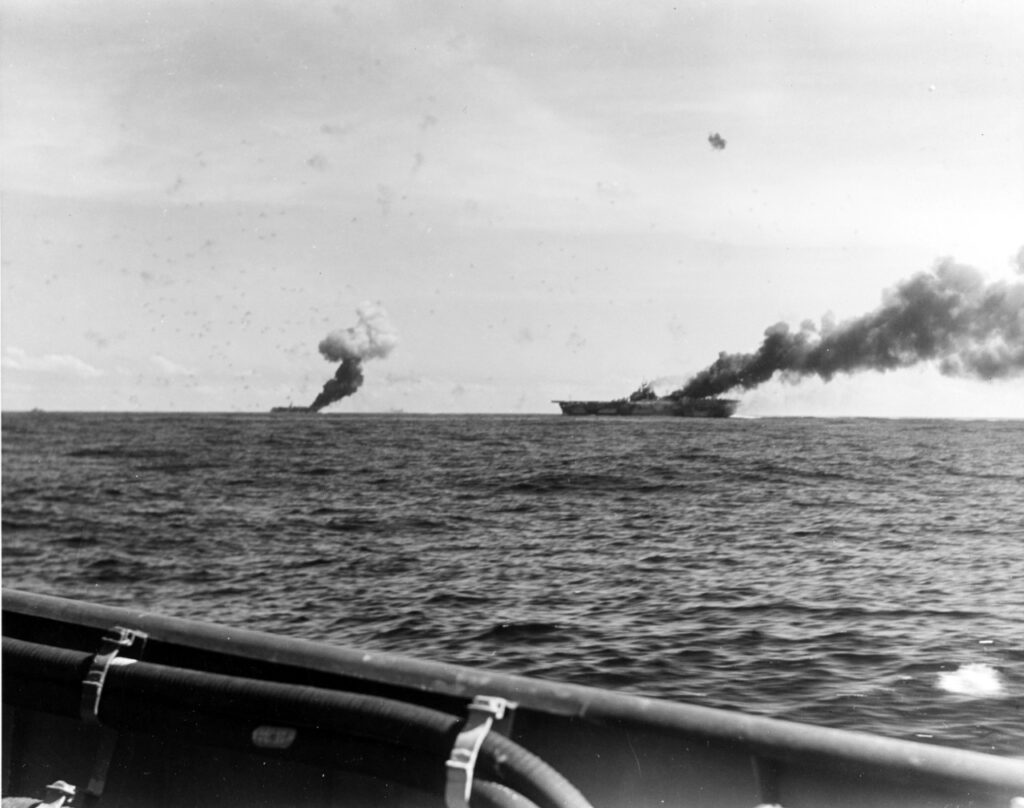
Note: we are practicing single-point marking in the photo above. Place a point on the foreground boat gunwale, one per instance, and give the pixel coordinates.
(767, 738)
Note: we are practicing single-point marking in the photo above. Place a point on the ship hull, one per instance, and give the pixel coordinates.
(666, 407)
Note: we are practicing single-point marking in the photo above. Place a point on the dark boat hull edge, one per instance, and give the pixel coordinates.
(620, 750)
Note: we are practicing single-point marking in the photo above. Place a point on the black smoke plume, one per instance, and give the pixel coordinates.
(347, 379)
(949, 315)
(373, 337)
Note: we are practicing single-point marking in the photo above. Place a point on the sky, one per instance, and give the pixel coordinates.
(523, 194)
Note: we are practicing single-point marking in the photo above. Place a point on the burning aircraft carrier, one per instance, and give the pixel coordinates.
(644, 401)
(949, 315)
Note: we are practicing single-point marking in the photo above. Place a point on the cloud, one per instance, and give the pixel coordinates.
(63, 364)
(170, 368)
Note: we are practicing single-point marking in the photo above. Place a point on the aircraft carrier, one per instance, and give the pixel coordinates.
(645, 401)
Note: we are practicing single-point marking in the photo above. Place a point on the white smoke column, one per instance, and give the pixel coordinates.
(373, 337)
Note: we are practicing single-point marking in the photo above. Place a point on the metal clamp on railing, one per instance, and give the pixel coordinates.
(120, 639)
(483, 713)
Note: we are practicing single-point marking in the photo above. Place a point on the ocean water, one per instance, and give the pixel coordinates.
(863, 574)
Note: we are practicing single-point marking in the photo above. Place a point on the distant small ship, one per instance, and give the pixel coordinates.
(644, 401)
(292, 409)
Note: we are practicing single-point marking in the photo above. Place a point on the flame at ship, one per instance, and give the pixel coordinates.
(948, 314)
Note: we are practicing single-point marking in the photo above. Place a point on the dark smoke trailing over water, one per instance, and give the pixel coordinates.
(373, 337)
(949, 315)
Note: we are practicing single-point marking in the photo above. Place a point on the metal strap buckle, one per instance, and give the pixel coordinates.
(483, 712)
(120, 639)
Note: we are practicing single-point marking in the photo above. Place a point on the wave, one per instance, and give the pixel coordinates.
(975, 679)
(520, 630)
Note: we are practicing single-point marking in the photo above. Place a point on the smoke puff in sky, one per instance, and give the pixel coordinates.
(373, 337)
(949, 314)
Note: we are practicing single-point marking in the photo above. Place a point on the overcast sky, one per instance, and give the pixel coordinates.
(196, 193)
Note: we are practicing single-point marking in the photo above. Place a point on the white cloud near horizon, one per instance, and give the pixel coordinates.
(15, 358)
(169, 367)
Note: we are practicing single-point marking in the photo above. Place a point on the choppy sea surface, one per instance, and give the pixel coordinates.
(863, 574)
